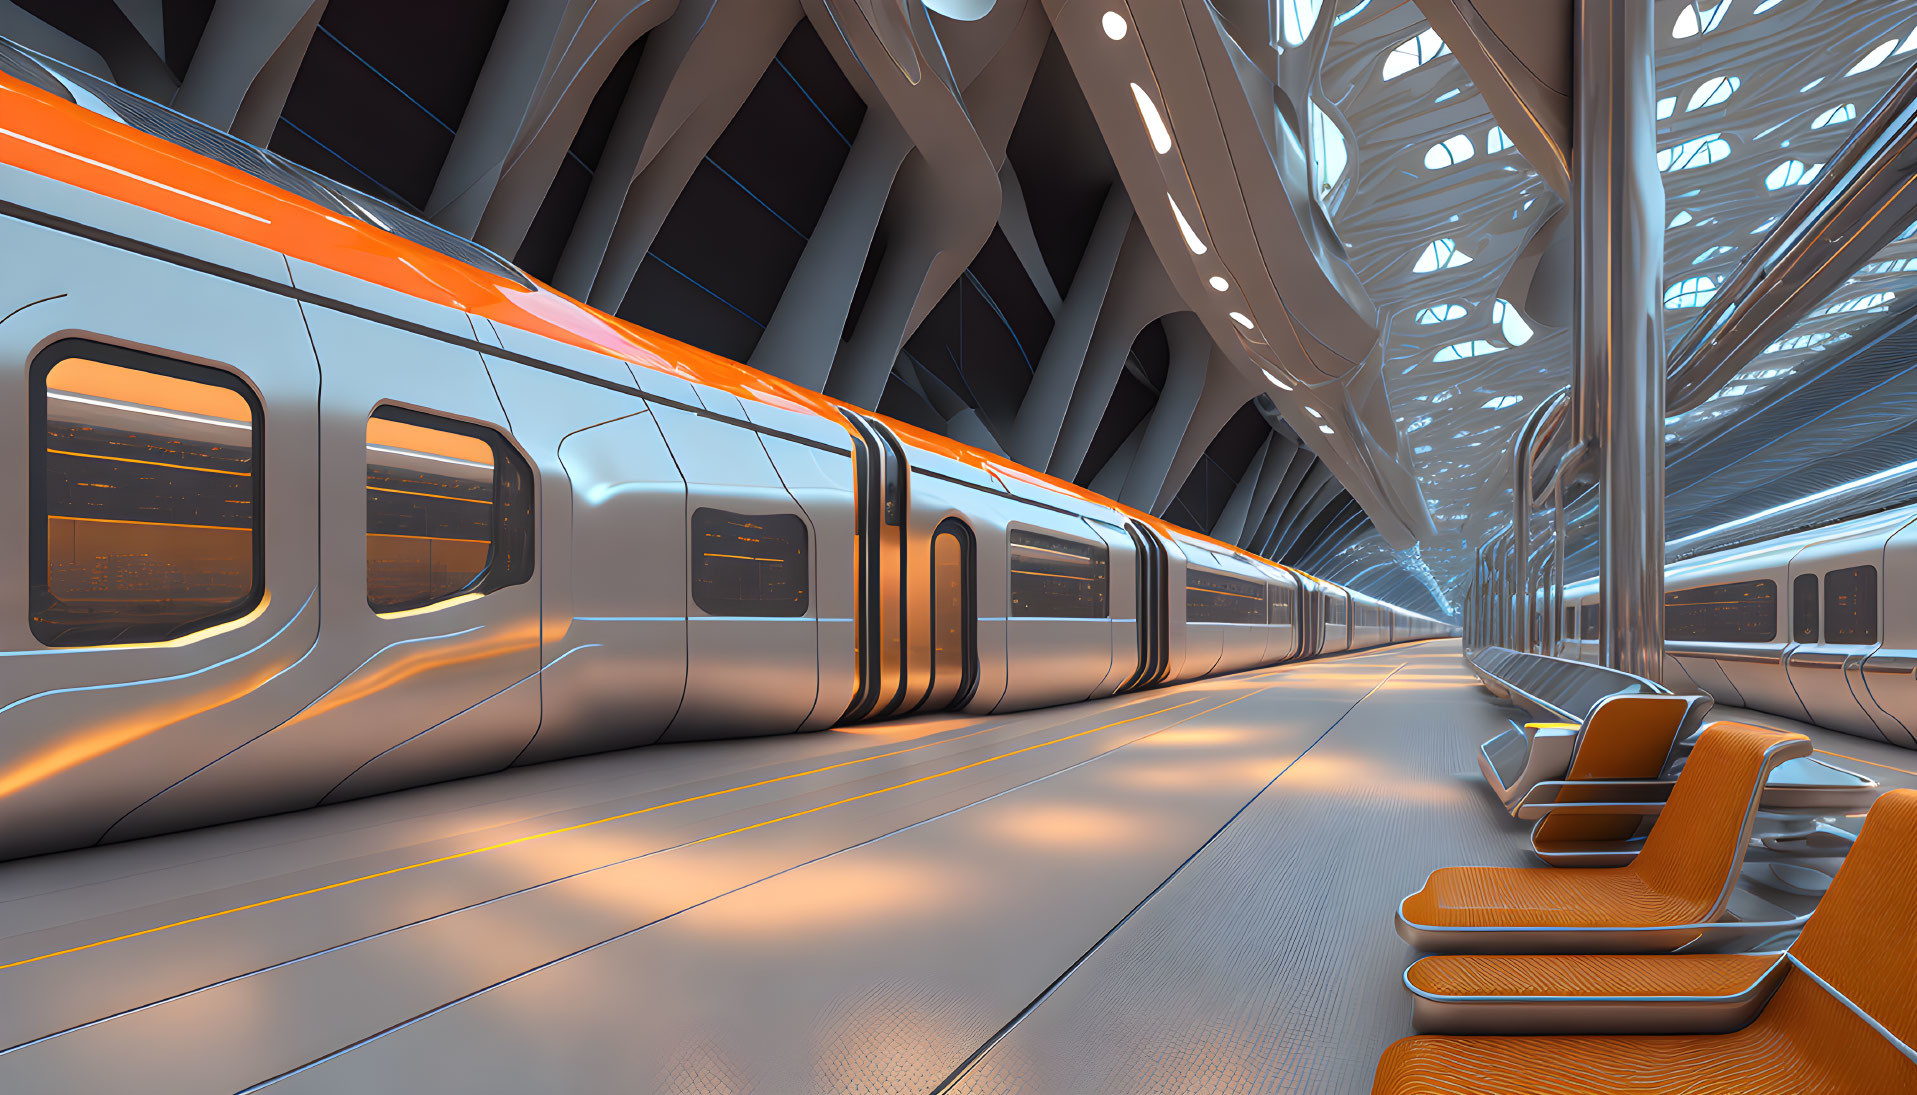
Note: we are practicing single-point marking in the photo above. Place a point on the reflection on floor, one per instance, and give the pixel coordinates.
(1186, 889)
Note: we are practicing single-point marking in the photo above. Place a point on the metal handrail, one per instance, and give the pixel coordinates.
(1860, 202)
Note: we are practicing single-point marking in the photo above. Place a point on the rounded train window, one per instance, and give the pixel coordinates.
(448, 510)
(145, 493)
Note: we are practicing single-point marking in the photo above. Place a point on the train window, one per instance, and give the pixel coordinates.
(1053, 576)
(1335, 610)
(1736, 612)
(1804, 608)
(1280, 604)
(1570, 620)
(749, 564)
(1590, 621)
(1850, 605)
(448, 510)
(145, 488)
(1214, 598)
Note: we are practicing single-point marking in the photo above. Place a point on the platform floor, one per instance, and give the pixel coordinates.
(1185, 890)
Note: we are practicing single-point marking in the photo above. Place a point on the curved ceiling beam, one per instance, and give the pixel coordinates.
(1223, 191)
(1518, 54)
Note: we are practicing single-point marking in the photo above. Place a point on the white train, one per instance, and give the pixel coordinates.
(1815, 625)
(314, 501)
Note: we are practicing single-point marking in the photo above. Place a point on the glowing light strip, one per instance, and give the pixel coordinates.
(124, 173)
(1828, 492)
(429, 456)
(136, 408)
(1191, 238)
(151, 463)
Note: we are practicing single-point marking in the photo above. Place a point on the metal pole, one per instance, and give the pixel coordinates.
(1543, 425)
(1557, 562)
(1618, 200)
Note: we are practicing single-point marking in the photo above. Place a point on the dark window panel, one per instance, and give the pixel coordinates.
(1053, 576)
(749, 564)
(1734, 612)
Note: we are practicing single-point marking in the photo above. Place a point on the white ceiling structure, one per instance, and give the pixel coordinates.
(1434, 207)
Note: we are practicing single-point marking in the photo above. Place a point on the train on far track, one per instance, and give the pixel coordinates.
(320, 501)
(1812, 625)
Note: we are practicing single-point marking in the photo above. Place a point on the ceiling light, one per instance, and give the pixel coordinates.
(1243, 320)
(1219, 283)
(1282, 386)
(1191, 238)
(1114, 25)
(1313, 412)
(1325, 429)
(1154, 125)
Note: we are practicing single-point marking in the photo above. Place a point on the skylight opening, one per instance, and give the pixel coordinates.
(1791, 173)
(1440, 254)
(1496, 141)
(1243, 320)
(1691, 292)
(1500, 402)
(1696, 152)
(1408, 55)
(1219, 284)
(1845, 113)
(1362, 5)
(1711, 253)
(1273, 377)
(1154, 123)
(1114, 26)
(1889, 266)
(1510, 323)
(1765, 227)
(1298, 16)
(1440, 313)
(1693, 21)
(1874, 58)
(1765, 6)
(1460, 350)
(1184, 227)
(1454, 149)
(1683, 217)
(1869, 302)
(1328, 153)
(1716, 90)
(1666, 107)
(1910, 43)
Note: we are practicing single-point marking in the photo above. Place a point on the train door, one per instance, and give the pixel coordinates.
(1890, 673)
(1126, 620)
(882, 483)
(1310, 616)
(1337, 617)
(1847, 573)
(954, 616)
(1154, 609)
(1281, 642)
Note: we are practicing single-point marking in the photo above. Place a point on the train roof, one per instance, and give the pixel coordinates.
(183, 169)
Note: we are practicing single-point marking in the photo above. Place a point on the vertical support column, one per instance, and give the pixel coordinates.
(1618, 200)
(1042, 413)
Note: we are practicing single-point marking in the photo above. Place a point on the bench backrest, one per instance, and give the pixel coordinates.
(1696, 849)
(1862, 940)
